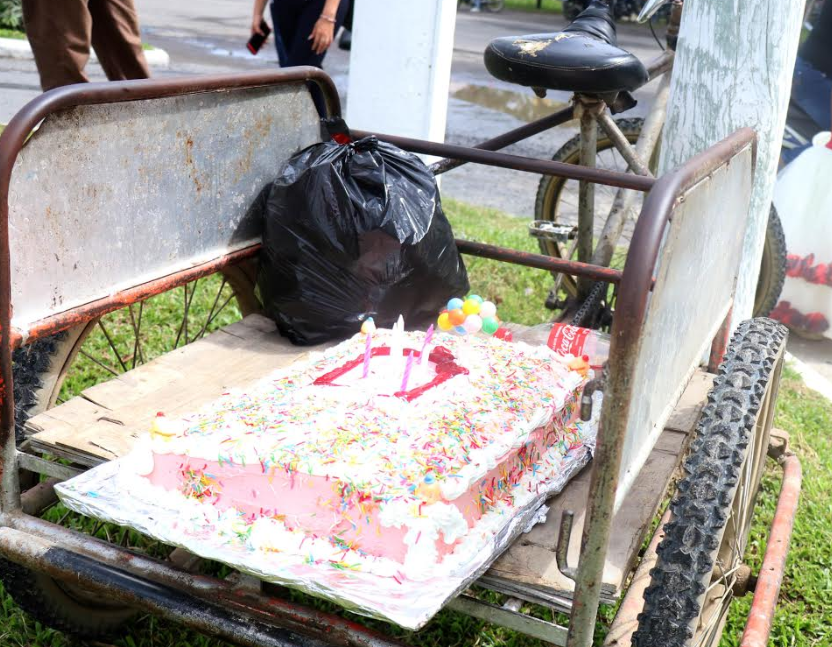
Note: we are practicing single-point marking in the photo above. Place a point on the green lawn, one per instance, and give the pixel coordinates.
(803, 618)
(555, 6)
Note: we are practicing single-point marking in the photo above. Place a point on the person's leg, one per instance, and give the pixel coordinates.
(59, 33)
(810, 111)
(116, 39)
(279, 45)
(345, 41)
(811, 90)
(300, 52)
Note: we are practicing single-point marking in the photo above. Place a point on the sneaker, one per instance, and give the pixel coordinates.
(475, 9)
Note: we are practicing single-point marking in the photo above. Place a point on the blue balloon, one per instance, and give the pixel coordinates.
(461, 330)
(455, 304)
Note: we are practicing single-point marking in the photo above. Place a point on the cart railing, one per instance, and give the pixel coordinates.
(112, 189)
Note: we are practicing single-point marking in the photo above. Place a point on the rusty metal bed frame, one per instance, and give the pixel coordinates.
(252, 618)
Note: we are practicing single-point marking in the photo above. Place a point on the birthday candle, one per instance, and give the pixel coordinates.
(367, 353)
(407, 367)
(428, 337)
(396, 343)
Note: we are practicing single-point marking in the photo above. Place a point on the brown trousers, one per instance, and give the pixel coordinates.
(61, 32)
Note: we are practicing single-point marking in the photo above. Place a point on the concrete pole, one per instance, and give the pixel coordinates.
(733, 68)
(400, 67)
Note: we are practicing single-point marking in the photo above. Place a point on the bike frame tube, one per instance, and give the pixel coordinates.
(644, 149)
(516, 162)
(509, 138)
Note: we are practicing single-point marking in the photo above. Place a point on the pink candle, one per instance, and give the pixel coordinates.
(367, 352)
(407, 367)
(428, 337)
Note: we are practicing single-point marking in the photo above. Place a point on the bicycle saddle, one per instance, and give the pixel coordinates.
(584, 57)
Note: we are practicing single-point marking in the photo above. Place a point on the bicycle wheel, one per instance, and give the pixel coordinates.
(494, 6)
(557, 198)
(699, 567)
(54, 369)
(557, 201)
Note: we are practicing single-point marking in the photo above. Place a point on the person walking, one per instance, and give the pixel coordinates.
(61, 34)
(304, 29)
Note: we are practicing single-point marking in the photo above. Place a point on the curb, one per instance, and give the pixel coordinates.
(21, 50)
(811, 378)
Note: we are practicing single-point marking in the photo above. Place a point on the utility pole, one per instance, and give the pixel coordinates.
(400, 67)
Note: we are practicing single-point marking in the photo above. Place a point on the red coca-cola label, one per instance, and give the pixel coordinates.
(568, 340)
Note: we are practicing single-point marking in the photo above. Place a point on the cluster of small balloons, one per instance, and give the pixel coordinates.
(469, 315)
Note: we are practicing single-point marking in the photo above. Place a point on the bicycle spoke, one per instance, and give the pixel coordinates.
(210, 317)
(112, 345)
(225, 303)
(137, 348)
(109, 369)
(186, 303)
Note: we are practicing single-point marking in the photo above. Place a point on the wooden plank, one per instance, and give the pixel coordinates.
(104, 422)
(528, 569)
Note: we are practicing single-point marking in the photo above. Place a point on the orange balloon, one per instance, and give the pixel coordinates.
(456, 317)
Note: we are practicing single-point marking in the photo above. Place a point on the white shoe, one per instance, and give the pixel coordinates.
(475, 9)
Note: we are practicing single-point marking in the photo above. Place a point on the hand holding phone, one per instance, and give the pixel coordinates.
(256, 41)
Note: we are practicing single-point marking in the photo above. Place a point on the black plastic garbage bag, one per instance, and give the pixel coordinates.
(352, 231)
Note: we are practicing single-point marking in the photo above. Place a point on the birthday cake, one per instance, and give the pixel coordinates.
(384, 451)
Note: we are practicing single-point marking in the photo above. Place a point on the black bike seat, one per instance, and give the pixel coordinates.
(584, 57)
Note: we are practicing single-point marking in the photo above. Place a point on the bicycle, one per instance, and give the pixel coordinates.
(585, 59)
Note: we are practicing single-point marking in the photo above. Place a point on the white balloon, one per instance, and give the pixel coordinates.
(487, 309)
(472, 323)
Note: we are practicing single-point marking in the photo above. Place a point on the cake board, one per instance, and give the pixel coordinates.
(103, 422)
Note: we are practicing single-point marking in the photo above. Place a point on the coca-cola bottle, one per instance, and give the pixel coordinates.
(572, 340)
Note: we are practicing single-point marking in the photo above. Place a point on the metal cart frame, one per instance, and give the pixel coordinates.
(249, 617)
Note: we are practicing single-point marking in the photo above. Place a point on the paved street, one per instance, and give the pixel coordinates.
(210, 36)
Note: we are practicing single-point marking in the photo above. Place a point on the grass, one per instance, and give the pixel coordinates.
(555, 6)
(18, 34)
(803, 616)
(12, 33)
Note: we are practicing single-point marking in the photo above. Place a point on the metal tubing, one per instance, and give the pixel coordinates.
(661, 64)
(509, 138)
(516, 162)
(160, 600)
(645, 146)
(47, 468)
(760, 617)
(627, 326)
(720, 343)
(588, 112)
(622, 145)
(295, 617)
(539, 261)
(39, 498)
(94, 309)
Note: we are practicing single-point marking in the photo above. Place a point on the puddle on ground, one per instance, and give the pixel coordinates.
(525, 106)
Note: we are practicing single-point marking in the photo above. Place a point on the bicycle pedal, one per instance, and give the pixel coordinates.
(552, 301)
(548, 230)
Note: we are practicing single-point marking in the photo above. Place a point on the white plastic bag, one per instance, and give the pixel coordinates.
(803, 199)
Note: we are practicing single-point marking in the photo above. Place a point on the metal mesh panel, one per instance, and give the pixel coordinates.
(105, 197)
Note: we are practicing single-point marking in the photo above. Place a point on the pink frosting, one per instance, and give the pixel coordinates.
(315, 505)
